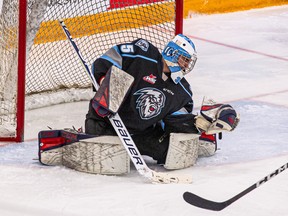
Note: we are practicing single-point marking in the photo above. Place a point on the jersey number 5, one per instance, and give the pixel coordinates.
(127, 48)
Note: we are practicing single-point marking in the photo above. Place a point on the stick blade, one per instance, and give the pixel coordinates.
(200, 202)
(168, 178)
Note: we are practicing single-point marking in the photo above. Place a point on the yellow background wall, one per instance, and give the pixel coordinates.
(223, 6)
(108, 21)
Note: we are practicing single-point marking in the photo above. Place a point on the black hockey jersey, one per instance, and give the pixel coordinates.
(151, 98)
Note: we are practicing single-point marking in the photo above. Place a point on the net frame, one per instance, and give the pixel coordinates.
(19, 135)
(23, 47)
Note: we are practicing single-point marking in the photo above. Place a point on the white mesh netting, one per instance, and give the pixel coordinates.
(53, 72)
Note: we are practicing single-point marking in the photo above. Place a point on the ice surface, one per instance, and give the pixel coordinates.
(252, 77)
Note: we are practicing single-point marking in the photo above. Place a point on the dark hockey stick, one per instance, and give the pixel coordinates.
(200, 202)
(124, 135)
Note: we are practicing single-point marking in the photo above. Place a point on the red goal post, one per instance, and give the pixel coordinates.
(38, 67)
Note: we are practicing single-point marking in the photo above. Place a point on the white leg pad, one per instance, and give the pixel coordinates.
(100, 155)
(52, 157)
(206, 149)
(182, 151)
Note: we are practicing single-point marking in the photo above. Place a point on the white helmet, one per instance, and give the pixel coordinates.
(180, 56)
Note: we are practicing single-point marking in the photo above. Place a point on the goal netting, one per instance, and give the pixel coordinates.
(53, 72)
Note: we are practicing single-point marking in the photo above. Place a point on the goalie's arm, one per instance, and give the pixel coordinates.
(101, 65)
(180, 123)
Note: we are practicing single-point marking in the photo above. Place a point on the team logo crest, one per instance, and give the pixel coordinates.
(143, 44)
(150, 102)
(150, 79)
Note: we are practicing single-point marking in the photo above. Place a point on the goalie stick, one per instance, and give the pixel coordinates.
(124, 135)
(200, 202)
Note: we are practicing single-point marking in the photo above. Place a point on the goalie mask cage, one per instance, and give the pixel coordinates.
(38, 66)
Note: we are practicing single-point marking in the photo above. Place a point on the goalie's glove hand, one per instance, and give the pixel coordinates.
(101, 111)
(216, 118)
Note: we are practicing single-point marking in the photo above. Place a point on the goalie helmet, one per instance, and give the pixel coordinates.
(180, 56)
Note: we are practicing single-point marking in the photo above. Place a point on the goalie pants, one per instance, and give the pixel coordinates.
(153, 142)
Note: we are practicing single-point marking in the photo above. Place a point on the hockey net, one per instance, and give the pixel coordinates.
(53, 72)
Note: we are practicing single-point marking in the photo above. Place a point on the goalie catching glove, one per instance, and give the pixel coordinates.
(216, 118)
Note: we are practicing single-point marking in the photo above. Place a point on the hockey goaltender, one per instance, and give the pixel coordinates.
(156, 108)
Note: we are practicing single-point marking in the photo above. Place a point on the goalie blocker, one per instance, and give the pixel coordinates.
(112, 91)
